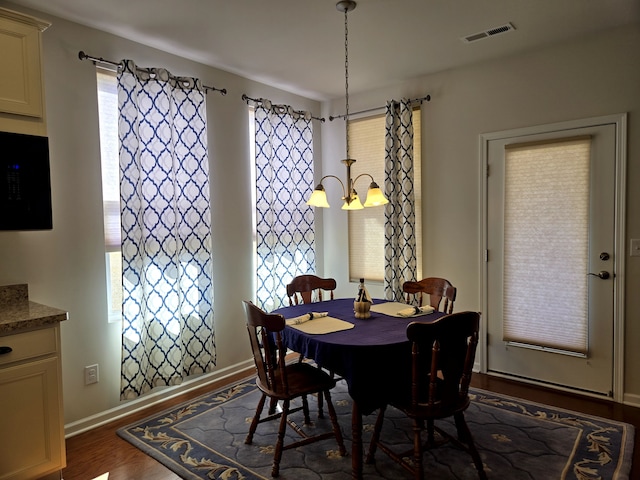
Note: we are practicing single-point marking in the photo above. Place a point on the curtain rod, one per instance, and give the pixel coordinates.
(262, 100)
(84, 56)
(413, 100)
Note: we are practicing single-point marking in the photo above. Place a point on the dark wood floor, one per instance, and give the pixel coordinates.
(98, 451)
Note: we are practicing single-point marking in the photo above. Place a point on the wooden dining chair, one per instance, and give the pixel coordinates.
(437, 289)
(302, 289)
(443, 353)
(285, 383)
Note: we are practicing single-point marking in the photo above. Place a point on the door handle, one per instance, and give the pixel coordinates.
(602, 274)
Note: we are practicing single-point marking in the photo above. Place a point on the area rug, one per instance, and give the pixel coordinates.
(517, 440)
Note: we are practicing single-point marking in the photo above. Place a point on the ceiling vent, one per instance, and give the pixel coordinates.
(491, 32)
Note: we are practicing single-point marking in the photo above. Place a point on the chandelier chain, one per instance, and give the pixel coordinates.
(346, 79)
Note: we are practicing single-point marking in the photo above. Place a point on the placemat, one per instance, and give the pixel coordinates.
(321, 325)
(392, 309)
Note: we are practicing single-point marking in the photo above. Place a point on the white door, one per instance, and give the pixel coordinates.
(550, 232)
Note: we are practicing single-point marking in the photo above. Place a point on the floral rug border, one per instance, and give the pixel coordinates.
(601, 440)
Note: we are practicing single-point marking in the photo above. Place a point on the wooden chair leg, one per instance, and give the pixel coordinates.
(273, 403)
(277, 456)
(373, 446)
(320, 405)
(334, 422)
(430, 436)
(305, 410)
(256, 420)
(464, 435)
(461, 428)
(417, 450)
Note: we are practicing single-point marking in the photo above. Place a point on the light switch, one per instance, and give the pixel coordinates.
(635, 247)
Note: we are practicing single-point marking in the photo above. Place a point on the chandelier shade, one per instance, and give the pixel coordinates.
(318, 198)
(375, 197)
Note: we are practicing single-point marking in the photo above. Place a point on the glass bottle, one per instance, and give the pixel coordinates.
(361, 295)
(362, 304)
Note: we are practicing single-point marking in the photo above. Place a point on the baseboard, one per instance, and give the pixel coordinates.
(631, 399)
(551, 386)
(93, 421)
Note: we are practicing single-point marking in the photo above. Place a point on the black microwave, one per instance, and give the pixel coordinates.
(25, 182)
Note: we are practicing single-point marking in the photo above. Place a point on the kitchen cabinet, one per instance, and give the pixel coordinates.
(21, 82)
(31, 411)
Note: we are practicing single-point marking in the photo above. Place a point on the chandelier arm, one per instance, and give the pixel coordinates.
(362, 175)
(344, 191)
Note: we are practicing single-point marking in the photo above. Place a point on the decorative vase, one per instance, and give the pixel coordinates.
(361, 309)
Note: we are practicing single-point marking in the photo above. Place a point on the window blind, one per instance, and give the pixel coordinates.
(546, 212)
(108, 112)
(366, 227)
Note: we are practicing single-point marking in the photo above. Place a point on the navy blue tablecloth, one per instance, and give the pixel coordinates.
(374, 357)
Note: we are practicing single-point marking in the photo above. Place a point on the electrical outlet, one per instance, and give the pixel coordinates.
(635, 247)
(91, 374)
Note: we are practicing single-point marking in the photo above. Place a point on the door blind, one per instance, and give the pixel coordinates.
(546, 212)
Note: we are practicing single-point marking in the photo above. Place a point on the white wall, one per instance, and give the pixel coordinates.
(65, 267)
(587, 78)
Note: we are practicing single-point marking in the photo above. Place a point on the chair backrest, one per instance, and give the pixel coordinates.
(266, 344)
(443, 353)
(302, 287)
(437, 289)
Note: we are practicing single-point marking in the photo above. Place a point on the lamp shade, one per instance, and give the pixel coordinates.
(354, 204)
(375, 197)
(318, 198)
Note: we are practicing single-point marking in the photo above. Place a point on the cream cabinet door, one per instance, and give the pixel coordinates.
(21, 79)
(30, 420)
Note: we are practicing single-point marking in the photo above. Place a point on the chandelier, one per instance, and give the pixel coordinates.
(375, 197)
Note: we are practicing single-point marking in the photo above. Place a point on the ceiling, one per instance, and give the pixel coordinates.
(298, 45)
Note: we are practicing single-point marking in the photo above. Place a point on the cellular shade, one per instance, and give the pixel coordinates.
(546, 218)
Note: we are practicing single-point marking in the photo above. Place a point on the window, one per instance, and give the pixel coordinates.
(366, 227)
(108, 120)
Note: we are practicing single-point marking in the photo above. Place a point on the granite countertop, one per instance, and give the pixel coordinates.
(18, 313)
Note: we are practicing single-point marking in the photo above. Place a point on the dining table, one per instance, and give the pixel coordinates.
(372, 355)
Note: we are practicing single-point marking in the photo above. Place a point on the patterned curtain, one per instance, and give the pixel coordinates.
(285, 235)
(400, 217)
(167, 304)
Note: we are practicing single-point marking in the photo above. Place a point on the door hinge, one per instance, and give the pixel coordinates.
(486, 256)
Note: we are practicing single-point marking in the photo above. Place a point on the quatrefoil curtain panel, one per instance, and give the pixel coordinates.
(285, 234)
(400, 255)
(167, 331)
